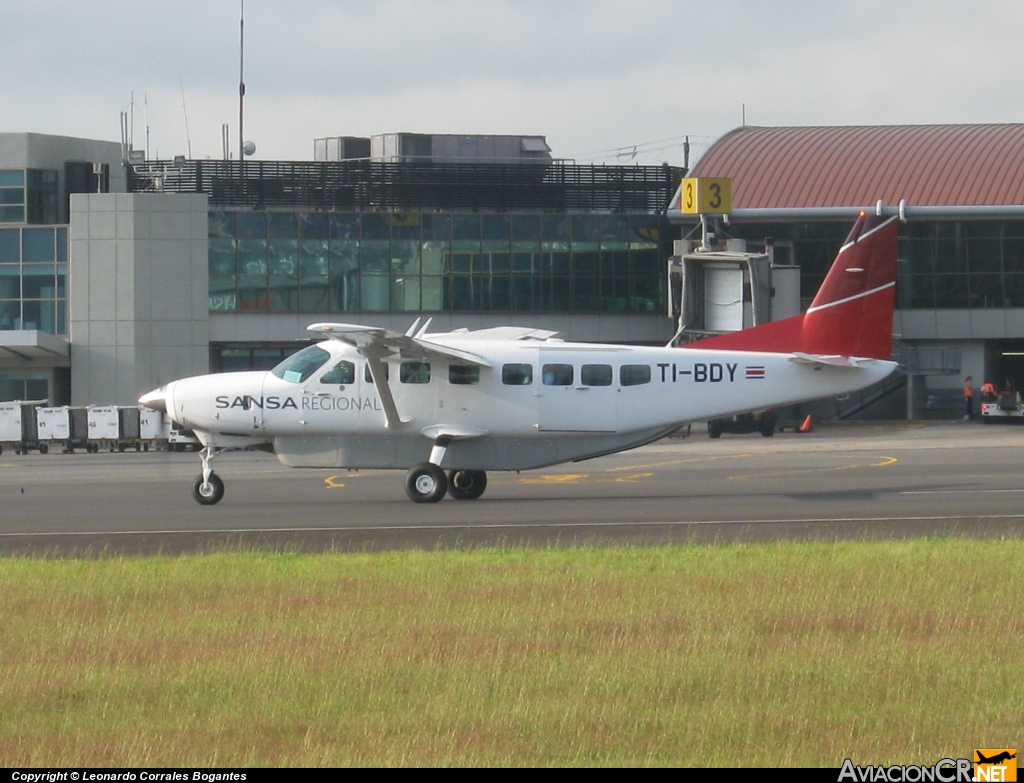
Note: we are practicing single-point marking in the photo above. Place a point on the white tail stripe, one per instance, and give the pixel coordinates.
(851, 298)
(863, 236)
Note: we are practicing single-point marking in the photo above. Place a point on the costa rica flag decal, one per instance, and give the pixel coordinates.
(755, 372)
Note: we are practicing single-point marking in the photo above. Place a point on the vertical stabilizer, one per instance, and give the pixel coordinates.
(851, 315)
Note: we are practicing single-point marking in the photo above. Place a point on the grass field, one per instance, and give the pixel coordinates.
(778, 654)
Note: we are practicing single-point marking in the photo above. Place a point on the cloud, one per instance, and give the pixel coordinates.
(591, 74)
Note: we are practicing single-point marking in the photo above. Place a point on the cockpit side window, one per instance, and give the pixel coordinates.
(299, 366)
(342, 373)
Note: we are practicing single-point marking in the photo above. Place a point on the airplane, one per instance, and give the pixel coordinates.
(996, 759)
(448, 407)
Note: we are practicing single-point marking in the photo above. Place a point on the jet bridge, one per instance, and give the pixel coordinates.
(719, 287)
(716, 286)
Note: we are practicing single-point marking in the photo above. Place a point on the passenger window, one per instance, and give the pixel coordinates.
(634, 374)
(596, 374)
(556, 375)
(517, 374)
(459, 374)
(414, 372)
(342, 373)
(369, 378)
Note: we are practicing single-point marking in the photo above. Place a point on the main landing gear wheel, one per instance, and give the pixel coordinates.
(425, 483)
(207, 493)
(466, 484)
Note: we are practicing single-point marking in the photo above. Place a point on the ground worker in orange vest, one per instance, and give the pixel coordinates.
(968, 399)
(988, 392)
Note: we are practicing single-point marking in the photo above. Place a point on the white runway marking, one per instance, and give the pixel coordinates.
(510, 526)
(956, 491)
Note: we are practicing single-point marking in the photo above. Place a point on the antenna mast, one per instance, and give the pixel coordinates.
(188, 138)
(241, 80)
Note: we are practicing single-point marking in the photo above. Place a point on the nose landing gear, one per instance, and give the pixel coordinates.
(209, 491)
(208, 488)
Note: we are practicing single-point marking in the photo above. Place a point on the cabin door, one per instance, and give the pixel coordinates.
(577, 391)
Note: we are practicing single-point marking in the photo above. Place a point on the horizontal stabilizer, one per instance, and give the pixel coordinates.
(831, 361)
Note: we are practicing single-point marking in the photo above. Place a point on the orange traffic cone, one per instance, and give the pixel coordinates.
(807, 426)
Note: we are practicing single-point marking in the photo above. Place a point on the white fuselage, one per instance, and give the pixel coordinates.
(503, 419)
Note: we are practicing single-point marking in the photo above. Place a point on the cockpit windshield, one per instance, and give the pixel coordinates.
(299, 366)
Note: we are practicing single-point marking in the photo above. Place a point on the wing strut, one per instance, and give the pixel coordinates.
(380, 381)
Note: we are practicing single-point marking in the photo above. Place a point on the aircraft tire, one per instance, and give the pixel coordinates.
(425, 483)
(714, 429)
(210, 493)
(466, 484)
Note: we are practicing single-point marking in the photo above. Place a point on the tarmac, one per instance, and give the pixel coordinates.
(842, 481)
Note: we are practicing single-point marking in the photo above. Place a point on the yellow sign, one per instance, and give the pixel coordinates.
(995, 765)
(706, 196)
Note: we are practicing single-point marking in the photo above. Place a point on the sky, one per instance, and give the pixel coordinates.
(604, 80)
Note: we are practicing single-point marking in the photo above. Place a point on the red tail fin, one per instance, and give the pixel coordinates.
(851, 315)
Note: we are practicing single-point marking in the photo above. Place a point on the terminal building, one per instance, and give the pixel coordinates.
(119, 274)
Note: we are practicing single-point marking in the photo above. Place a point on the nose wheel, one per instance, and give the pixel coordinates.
(208, 488)
(208, 491)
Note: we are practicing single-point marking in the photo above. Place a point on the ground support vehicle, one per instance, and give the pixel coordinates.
(759, 421)
(178, 438)
(1006, 407)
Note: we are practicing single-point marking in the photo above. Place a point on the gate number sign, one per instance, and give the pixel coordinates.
(706, 196)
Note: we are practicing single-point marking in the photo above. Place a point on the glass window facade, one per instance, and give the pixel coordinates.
(336, 262)
(33, 278)
(28, 196)
(942, 264)
(23, 386)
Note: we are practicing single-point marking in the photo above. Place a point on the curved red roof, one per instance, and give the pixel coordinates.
(928, 165)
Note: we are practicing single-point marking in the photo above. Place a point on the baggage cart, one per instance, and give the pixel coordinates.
(18, 426)
(104, 427)
(53, 426)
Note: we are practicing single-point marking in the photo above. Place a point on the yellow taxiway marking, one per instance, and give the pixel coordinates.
(678, 462)
(886, 461)
(333, 483)
(575, 478)
(554, 478)
(633, 477)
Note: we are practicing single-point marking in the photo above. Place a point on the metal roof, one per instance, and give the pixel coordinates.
(926, 165)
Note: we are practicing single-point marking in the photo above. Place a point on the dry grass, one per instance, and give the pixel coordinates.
(893, 652)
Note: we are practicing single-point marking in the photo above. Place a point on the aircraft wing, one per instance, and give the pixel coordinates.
(381, 342)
